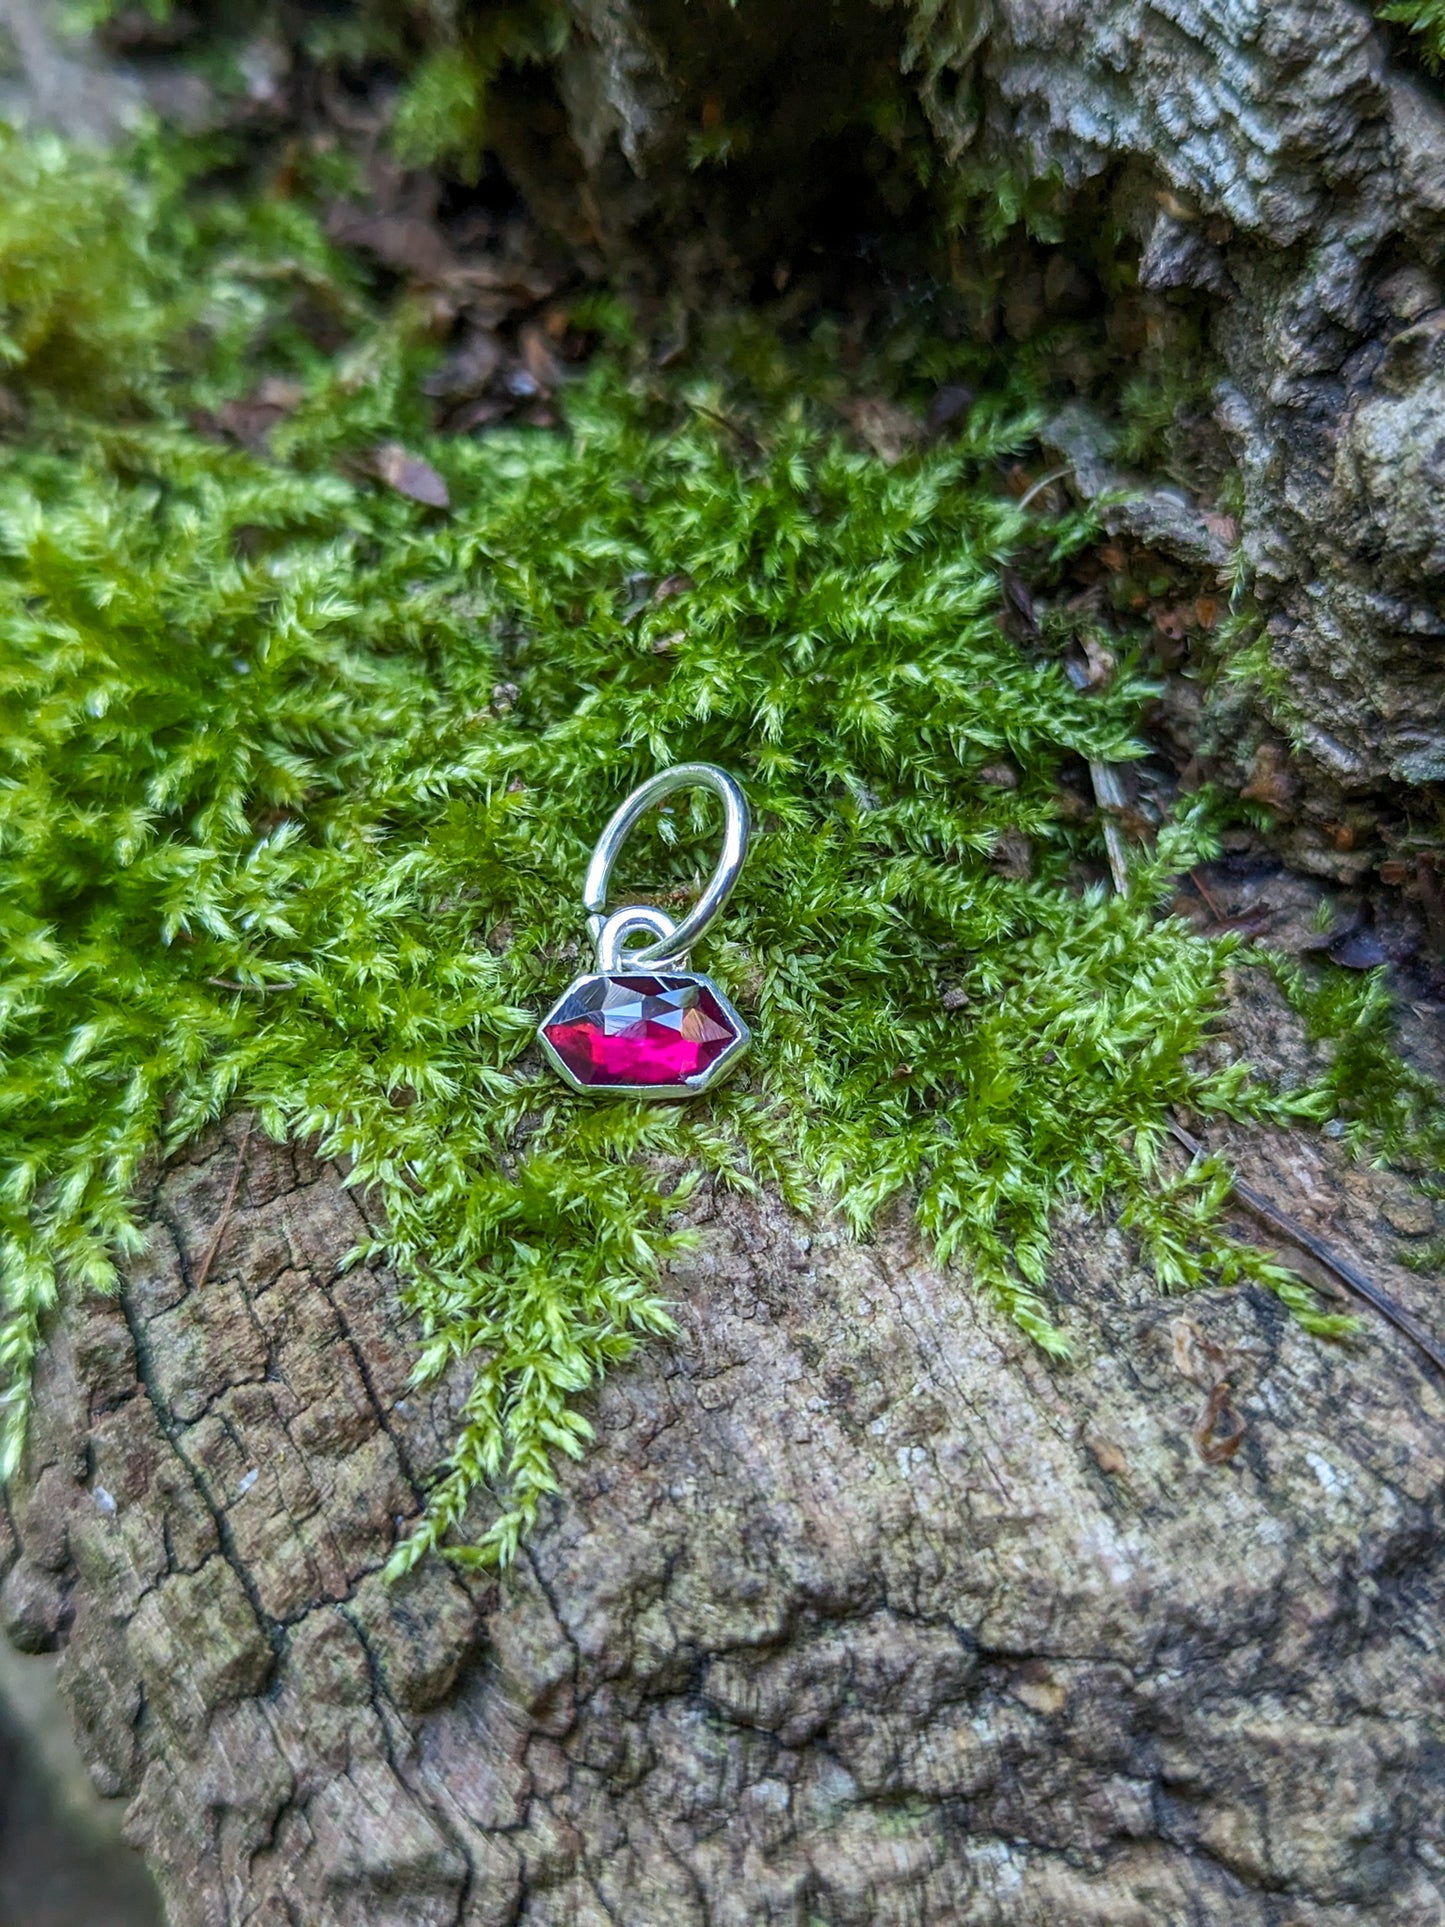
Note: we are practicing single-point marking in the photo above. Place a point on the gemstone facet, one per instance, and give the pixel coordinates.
(654, 1035)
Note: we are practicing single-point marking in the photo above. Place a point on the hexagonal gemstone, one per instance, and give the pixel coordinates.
(639, 1030)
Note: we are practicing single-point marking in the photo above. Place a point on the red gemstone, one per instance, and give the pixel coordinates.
(639, 1030)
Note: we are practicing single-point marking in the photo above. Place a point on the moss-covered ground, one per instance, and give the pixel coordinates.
(299, 774)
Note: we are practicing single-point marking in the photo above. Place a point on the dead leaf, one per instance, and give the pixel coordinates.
(1219, 1431)
(887, 429)
(948, 408)
(542, 365)
(1018, 601)
(513, 284)
(1224, 528)
(1102, 664)
(999, 776)
(1358, 949)
(1197, 1357)
(1173, 621)
(409, 475)
(1013, 854)
(1088, 601)
(406, 243)
(1270, 781)
(673, 585)
(473, 415)
(465, 371)
(249, 420)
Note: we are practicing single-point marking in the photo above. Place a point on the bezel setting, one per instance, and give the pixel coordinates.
(643, 983)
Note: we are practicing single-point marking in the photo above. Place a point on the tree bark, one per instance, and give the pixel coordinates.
(859, 1611)
(1281, 163)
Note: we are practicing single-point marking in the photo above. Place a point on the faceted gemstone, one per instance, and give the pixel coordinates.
(625, 1029)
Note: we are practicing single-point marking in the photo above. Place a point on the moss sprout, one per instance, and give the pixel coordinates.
(441, 114)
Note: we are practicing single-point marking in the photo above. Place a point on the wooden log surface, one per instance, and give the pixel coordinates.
(859, 1611)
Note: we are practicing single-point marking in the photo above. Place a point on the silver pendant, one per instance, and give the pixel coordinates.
(642, 1024)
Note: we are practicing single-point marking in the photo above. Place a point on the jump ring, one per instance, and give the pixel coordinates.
(620, 926)
(684, 935)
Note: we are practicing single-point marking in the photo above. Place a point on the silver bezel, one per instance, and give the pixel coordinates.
(716, 1071)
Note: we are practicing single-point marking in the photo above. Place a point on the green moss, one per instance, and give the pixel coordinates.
(1381, 1106)
(87, 303)
(440, 117)
(1425, 19)
(1376, 1101)
(298, 779)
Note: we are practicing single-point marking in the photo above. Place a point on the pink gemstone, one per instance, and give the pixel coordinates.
(639, 1030)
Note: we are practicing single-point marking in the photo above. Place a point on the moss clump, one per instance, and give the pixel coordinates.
(1381, 1106)
(441, 115)
(1425, 19)
(298, 778)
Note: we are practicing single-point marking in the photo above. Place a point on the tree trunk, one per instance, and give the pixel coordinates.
(859, 1611)
(1280, 164)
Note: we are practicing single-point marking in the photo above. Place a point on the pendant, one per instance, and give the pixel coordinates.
(642, 1024)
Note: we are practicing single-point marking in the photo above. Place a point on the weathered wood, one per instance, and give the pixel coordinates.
(859, 1611)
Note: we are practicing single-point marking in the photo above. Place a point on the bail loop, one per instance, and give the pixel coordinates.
(620, 926)
(673, 940)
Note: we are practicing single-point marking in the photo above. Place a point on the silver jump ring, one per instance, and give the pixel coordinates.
(676, 942)
(620, 926)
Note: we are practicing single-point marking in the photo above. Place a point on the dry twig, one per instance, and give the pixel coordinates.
(1110, 797)
(226, 1209)
(1338, 1267)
